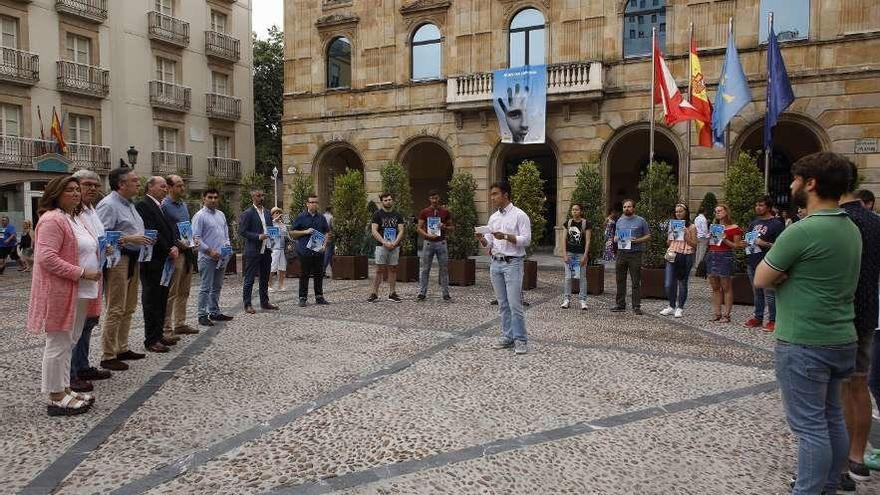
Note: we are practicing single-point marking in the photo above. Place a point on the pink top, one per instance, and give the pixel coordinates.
(56, 275)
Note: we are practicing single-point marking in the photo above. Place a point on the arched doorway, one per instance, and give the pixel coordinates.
(626, 155)
(329, 163)
(430, 167)
(510, 156)
(793, 138)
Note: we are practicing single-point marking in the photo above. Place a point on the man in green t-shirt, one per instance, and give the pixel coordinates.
(814, 267)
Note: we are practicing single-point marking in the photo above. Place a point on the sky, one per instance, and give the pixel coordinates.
(265, 14)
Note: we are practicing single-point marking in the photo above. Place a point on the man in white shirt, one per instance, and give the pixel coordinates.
(511, 232)
(702, 225)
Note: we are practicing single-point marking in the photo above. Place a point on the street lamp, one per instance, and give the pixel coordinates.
(132, 158)
(275, 179)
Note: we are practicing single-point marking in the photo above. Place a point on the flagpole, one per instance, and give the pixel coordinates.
(653, 84)
(727, 127)
(687, 181)
(767, 146)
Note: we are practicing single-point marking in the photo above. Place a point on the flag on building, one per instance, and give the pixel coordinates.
(733, 92)
(699, 98)
(58, 133)
(779, 92)
(675, 108)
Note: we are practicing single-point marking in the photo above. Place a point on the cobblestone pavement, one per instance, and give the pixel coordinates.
(384, 398)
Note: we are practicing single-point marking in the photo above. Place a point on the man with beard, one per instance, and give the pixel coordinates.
(257, 255)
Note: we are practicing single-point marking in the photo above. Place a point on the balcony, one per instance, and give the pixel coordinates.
(19, 67)
(222, 107)
(82, 79)
(167, 163)
(565, 82)
(168, 96)
(168, 29)
(89, 10)
(19, 153)
(227, 169)
(222, 46)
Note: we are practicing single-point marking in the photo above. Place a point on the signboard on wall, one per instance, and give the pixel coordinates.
(866, 145)
(519, 96)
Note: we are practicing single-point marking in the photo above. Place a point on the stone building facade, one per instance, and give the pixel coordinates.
(598, 89)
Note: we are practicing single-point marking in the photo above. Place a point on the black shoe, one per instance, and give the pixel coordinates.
(130, 356)
(93, 374)
(859, 471)
(618, 309)
(302, 302)
(205, 321)
(493, 302)
(321, 301)
(373, 298)
(526, 304)
(420, 297)
(847, 485)
(220, 317)
(447, 297)
(394, 297)
(637, 311)
(114, 364)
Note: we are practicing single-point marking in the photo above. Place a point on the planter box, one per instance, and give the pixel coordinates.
(231, 267)
(350, 267)
(408, 269)
(293, 268)
(530, 275)
(742, 290)
(462, 272)
(595, 280)
(652, 283)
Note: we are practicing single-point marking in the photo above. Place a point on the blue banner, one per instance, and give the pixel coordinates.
(519, 96)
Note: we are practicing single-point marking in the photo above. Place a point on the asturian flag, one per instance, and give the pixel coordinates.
(675, 108)
(699, 98)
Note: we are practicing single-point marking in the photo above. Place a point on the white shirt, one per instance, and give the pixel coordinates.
(702, 226)
(509, 220)
(93, 221)
(87, 251)
(261, 214)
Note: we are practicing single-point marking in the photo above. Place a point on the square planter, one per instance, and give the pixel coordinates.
(652, 283)
(530, 275)
(293, 268)
(350, 267)
(408, 269)
(462, 272)
(595, 280)
(742, 290)
(231, 267)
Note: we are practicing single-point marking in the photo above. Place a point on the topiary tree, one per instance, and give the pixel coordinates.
(658, 189)
(350, 214)
(395, 180)
(589, 192)
(253, 181)
(302, 186)
(743, 185)
(708, 204)
(461, 241)
(527, 193)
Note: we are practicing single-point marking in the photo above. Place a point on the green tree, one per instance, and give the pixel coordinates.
(302, 186)
(268, 100)
(395, 180)
(251, 181)
(708, 204)
(589, 192)
(350, 214)
(462, 243)
(743, 185)
(527, 193)
(658, 189)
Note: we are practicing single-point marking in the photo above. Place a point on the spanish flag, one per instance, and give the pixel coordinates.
(700, 99)
(57, 132)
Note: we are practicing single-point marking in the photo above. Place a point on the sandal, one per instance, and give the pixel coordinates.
(724, 319)
(87, 398)
(717, 317)
(68, 406)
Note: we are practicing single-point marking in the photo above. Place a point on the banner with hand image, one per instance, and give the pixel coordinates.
(519, 97)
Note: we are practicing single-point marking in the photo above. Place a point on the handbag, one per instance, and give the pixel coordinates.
(670, 255)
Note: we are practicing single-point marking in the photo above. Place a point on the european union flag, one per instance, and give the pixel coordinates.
(733, 93)
(779, 92)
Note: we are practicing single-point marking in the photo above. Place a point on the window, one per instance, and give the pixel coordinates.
(166, 70)
(791, 19)
(79, 129)
(165, 7)
(526, 45)
(8, 32)
(339, 63)
(219, 83)
(218, 21)
(642, 19)
(79, 49)
(221, 146)
(426, 53)
(168, 139)
(10, 120)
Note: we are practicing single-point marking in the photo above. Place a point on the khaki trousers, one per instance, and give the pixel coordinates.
(122, 299)
(178, 296)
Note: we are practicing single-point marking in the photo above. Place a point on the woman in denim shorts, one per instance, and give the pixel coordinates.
(725, 236)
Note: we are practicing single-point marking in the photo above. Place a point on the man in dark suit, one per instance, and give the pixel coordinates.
(257, 255)
(154, 296)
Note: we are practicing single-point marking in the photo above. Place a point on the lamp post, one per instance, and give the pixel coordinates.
(132, 158)
(275, 179)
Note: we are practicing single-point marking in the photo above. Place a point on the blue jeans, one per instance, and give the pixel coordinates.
(676, 279)
(809, 378)
(429, 250)
(209, 292)
(507, 282)
(79, 359)
(582, 293)
(763, 297)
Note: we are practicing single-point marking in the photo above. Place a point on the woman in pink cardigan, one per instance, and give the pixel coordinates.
(64, 290)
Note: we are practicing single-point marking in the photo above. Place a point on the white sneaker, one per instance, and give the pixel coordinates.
(668, 311)
(584, 305)
(679, 313)
(271, 289)
(282, 289)
(564, 304)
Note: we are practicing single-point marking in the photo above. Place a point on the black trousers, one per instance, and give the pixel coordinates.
(154, 299)
(311, 267)
(629, 262)
(261, 264)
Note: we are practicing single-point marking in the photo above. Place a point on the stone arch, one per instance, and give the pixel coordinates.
(428, 159)
(331, 160)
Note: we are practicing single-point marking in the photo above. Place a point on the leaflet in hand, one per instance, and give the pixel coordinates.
(390, 234)
(102, 250)
(147, 249)
(274, 234)
(316, 241)
(624, 239)
(485, 229)
(167, 272)
(751, 238)
(716, 234)
(434, 226)
(574, 267)
(115, 255)
(225, 255)
(676, 230)
(3, 233)
(186, 233)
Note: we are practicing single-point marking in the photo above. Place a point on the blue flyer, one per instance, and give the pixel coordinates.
(147, 250)
(167, 272)
(113, 237)
(102, 250)
(316, 241)
(716, 233)
(434, 226)
(676, 230)
(624, 239)
(225, 256)
(575, 267)
(390, 234)
(186, 233)
(751, 247)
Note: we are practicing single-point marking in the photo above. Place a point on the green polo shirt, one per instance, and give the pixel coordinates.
(821, 255)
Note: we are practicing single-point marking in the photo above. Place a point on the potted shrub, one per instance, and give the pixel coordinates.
(743, 185)
(527, 191)
(589, 192)
(658, 193)
(350, 218)
(395, 180)
(302, 186)
(461, 241)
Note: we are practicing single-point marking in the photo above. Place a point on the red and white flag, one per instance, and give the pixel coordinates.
(675, 107)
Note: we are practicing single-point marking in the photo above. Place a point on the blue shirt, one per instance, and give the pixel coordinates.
(209, 226)
(639, 228)
(175, 211)
(306, 221)
(118, 213)
(8, 237)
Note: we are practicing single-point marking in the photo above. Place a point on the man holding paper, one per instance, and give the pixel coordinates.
(632, 235)
(434, 223)
(177, 213)
(311, 231)
(257, 254)
(761, 235)
(212, 236)
(387, 228)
